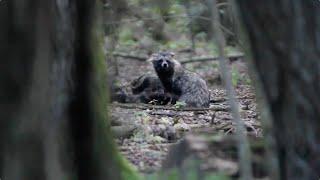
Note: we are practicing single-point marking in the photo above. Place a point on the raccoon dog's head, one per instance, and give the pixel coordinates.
(163, 62)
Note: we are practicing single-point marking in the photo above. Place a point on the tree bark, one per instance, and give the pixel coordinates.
(285, 40)
(53, 100)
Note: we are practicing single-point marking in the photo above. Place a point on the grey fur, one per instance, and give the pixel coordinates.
(183, 85)
(148, 89)
(144, 89)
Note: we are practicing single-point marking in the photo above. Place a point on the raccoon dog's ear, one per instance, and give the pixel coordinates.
(152, 57)
(172, 54)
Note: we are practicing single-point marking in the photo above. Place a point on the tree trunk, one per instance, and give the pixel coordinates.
(285, 40)
(53, 100)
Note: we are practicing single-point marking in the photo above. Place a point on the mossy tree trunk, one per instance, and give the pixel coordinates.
(285, 40)
(53, 100)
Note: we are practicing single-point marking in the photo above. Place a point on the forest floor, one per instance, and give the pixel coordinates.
(157, 128)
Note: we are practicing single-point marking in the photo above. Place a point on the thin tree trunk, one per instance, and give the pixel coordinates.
(244, 152)
(285, 40)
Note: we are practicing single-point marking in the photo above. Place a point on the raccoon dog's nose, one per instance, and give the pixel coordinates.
(165, 64)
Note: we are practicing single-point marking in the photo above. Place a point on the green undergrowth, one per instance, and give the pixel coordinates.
(190, 174)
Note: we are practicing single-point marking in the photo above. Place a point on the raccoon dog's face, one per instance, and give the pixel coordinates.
(163, 62)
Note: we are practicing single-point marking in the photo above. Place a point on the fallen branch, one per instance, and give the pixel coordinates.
(157, 107)
(123, 131)
(183, 61)
(218, 100)
(210, 58)
(169, 114)
(224, 99)
(129, 56)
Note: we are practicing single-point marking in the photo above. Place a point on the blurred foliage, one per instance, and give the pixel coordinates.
(190, 174)
(126, 37)
(180, 23)
(235, 76)
(238, 78)
(180, 104)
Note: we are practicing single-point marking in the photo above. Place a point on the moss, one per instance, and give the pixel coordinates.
(105, 152)
(189, 174)
(235, 76)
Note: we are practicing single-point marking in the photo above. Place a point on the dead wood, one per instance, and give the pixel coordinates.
(183, 61)
(211, 58)
(123, 131)
(168, 114)
(157, 107)
(130, 56)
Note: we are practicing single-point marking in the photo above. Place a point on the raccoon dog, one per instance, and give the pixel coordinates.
(181, 84)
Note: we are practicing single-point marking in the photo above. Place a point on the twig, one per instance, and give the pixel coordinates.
(169, 114)
(243, 144)
(219, 100)
(222, 4)
(157, 107)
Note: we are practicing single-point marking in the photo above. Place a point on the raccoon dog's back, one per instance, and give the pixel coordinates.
(193, 89)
